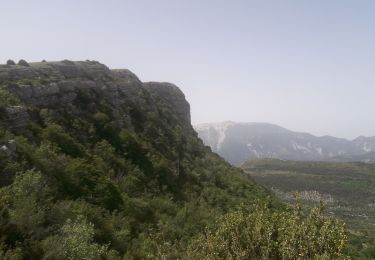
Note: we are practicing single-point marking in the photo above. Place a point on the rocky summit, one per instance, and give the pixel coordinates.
(69, 87)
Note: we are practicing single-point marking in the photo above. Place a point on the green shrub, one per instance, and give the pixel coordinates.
(10, 62)
(8, 99)
(56, 134)
(75, 241)
(258, 233)
(23, 63)
(28, 200)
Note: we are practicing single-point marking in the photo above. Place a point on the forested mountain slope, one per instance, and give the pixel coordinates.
(95, 164)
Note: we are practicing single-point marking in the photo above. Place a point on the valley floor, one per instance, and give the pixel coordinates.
(346, 189)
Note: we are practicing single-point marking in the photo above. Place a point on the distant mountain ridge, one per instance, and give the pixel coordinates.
(238, 142)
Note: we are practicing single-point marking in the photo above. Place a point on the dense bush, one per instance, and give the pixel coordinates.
(7, 99)
(23, 63)
(75, 241)
(56, 134)
(259, 233)
(10, 62)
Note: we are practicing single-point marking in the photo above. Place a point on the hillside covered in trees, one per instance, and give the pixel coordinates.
(95, 164)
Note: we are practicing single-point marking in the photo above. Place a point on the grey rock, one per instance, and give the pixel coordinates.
(12, 146)
(15, 73)
(17, 118)
(9, 148)
(173, 96)
(69, 86)
(4, 150)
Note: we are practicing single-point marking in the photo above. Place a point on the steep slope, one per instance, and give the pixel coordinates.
(238, 142)
(99, 143)
(95, 164)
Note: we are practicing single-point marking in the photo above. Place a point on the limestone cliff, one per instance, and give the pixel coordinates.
(73, 87)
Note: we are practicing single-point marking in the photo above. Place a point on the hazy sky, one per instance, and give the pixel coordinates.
(305, 65)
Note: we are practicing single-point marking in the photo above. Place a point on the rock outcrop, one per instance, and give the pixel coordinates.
(64, 86)
(16, 118)
(54, 71)
(171, 94)
(9, 148)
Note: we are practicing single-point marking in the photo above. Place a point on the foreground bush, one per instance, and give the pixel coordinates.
(258, 233)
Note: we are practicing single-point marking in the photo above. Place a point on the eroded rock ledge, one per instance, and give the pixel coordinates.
(69, 86)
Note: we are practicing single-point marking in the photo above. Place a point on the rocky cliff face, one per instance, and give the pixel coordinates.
(69, 87)
(172, 95)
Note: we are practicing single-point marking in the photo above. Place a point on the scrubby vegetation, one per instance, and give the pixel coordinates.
(10, 62)
(23, 63)
(84, 183)
(258, 233)
(108, 201)
(7, 99)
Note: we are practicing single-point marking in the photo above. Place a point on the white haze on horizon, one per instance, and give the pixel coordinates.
(304, 65)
